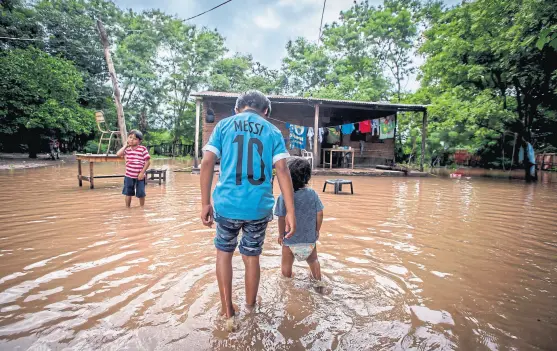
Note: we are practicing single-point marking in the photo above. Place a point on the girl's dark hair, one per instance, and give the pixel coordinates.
(300, 171)
(137, 134)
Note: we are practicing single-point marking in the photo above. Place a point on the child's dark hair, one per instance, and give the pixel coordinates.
(254, 99)
(300, 171)
(137, 134)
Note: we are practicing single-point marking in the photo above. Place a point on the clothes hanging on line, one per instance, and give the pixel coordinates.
(357, 135)
(297, 136)
(310, 137)
(321, 131)
(365, 127)
(333, 137)
(375, 127)
(387, 126)
(347, 129)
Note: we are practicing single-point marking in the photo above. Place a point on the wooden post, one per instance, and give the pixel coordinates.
(394, 137)
(91, 179)
(197, 115)
(424, 136)
(316, 136)
(114, 79)
(79, 173)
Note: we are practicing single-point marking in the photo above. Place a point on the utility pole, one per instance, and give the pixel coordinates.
(114, 79)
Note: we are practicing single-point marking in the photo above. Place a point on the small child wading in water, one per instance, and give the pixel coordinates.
(309, 217)
(137, 162)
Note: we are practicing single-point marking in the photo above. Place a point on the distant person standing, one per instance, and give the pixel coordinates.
(137, 162)
(248, 146)
(54, 145)
(527, 156)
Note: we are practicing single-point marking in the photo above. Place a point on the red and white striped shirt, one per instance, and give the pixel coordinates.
(135, 160)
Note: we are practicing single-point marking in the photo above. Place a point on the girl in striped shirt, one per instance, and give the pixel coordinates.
(137, 162)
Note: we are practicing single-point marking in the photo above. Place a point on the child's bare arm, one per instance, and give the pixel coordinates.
(120, 153)
(285, 183)
(281, 229)
(206, 180)
(319, 222)
(141, 174)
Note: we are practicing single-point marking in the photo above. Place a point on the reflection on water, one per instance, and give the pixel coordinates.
(423, 264)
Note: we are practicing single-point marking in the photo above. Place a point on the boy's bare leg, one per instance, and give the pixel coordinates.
(224, 278)
(314, 265)
(253, 273)
(128, 201)
(141, 201)
(287, 261)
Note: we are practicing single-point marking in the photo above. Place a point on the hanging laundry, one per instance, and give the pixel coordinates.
(321, 131)
(365, 127)
(387, 126)
(297, 136)
(356, 134)
(310, 137)
(362, 143)
(334, 136)
(375, 127)
(347, 129)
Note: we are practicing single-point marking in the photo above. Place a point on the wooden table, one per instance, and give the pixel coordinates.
(92, 158)
(331, 150)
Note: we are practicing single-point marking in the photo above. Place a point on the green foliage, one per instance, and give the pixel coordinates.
(157, 137)
(485, 76)
(241, 73)
(40, 92)
(92, 147)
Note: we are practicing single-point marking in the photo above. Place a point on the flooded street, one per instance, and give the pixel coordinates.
(409, 263)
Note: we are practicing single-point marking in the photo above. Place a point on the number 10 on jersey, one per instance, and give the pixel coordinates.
(240, 160)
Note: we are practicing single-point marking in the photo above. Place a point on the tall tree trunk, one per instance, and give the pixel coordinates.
(143, 121)
(114, 79)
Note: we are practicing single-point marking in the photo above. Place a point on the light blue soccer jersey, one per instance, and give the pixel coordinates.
(248, 146)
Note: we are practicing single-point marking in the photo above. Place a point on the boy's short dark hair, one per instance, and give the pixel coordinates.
(137, 134)
(254, 99)
(300, 172)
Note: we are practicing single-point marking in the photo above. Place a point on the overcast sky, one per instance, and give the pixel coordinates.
(259, 27)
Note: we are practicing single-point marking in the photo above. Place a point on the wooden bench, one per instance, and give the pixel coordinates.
(155, 174)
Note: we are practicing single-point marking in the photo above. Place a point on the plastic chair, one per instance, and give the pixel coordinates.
(308, 156)
(99, 116)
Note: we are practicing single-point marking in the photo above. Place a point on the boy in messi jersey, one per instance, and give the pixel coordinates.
(248, 146)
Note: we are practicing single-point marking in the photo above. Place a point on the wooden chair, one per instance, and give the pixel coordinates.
(103, 128)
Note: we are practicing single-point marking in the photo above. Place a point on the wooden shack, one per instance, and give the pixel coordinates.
(317, 113)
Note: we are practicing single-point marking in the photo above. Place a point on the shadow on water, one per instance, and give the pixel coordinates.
(430, 263)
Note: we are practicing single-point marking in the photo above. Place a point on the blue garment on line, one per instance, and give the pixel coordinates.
(297, 136)
(347, 129)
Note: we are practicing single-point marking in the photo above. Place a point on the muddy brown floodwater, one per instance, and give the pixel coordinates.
(419, 264)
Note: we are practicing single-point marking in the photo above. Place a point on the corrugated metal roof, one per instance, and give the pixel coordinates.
(385, 105)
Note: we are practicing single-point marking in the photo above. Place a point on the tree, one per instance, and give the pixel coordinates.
(39, 96)
(488, 48)
(71, 33)
(189, 55)
(17, 21)
(137, 62)
(241, 73)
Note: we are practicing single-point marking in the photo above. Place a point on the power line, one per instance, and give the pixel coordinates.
(321, 24)
(202, 13)
(28, 39)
